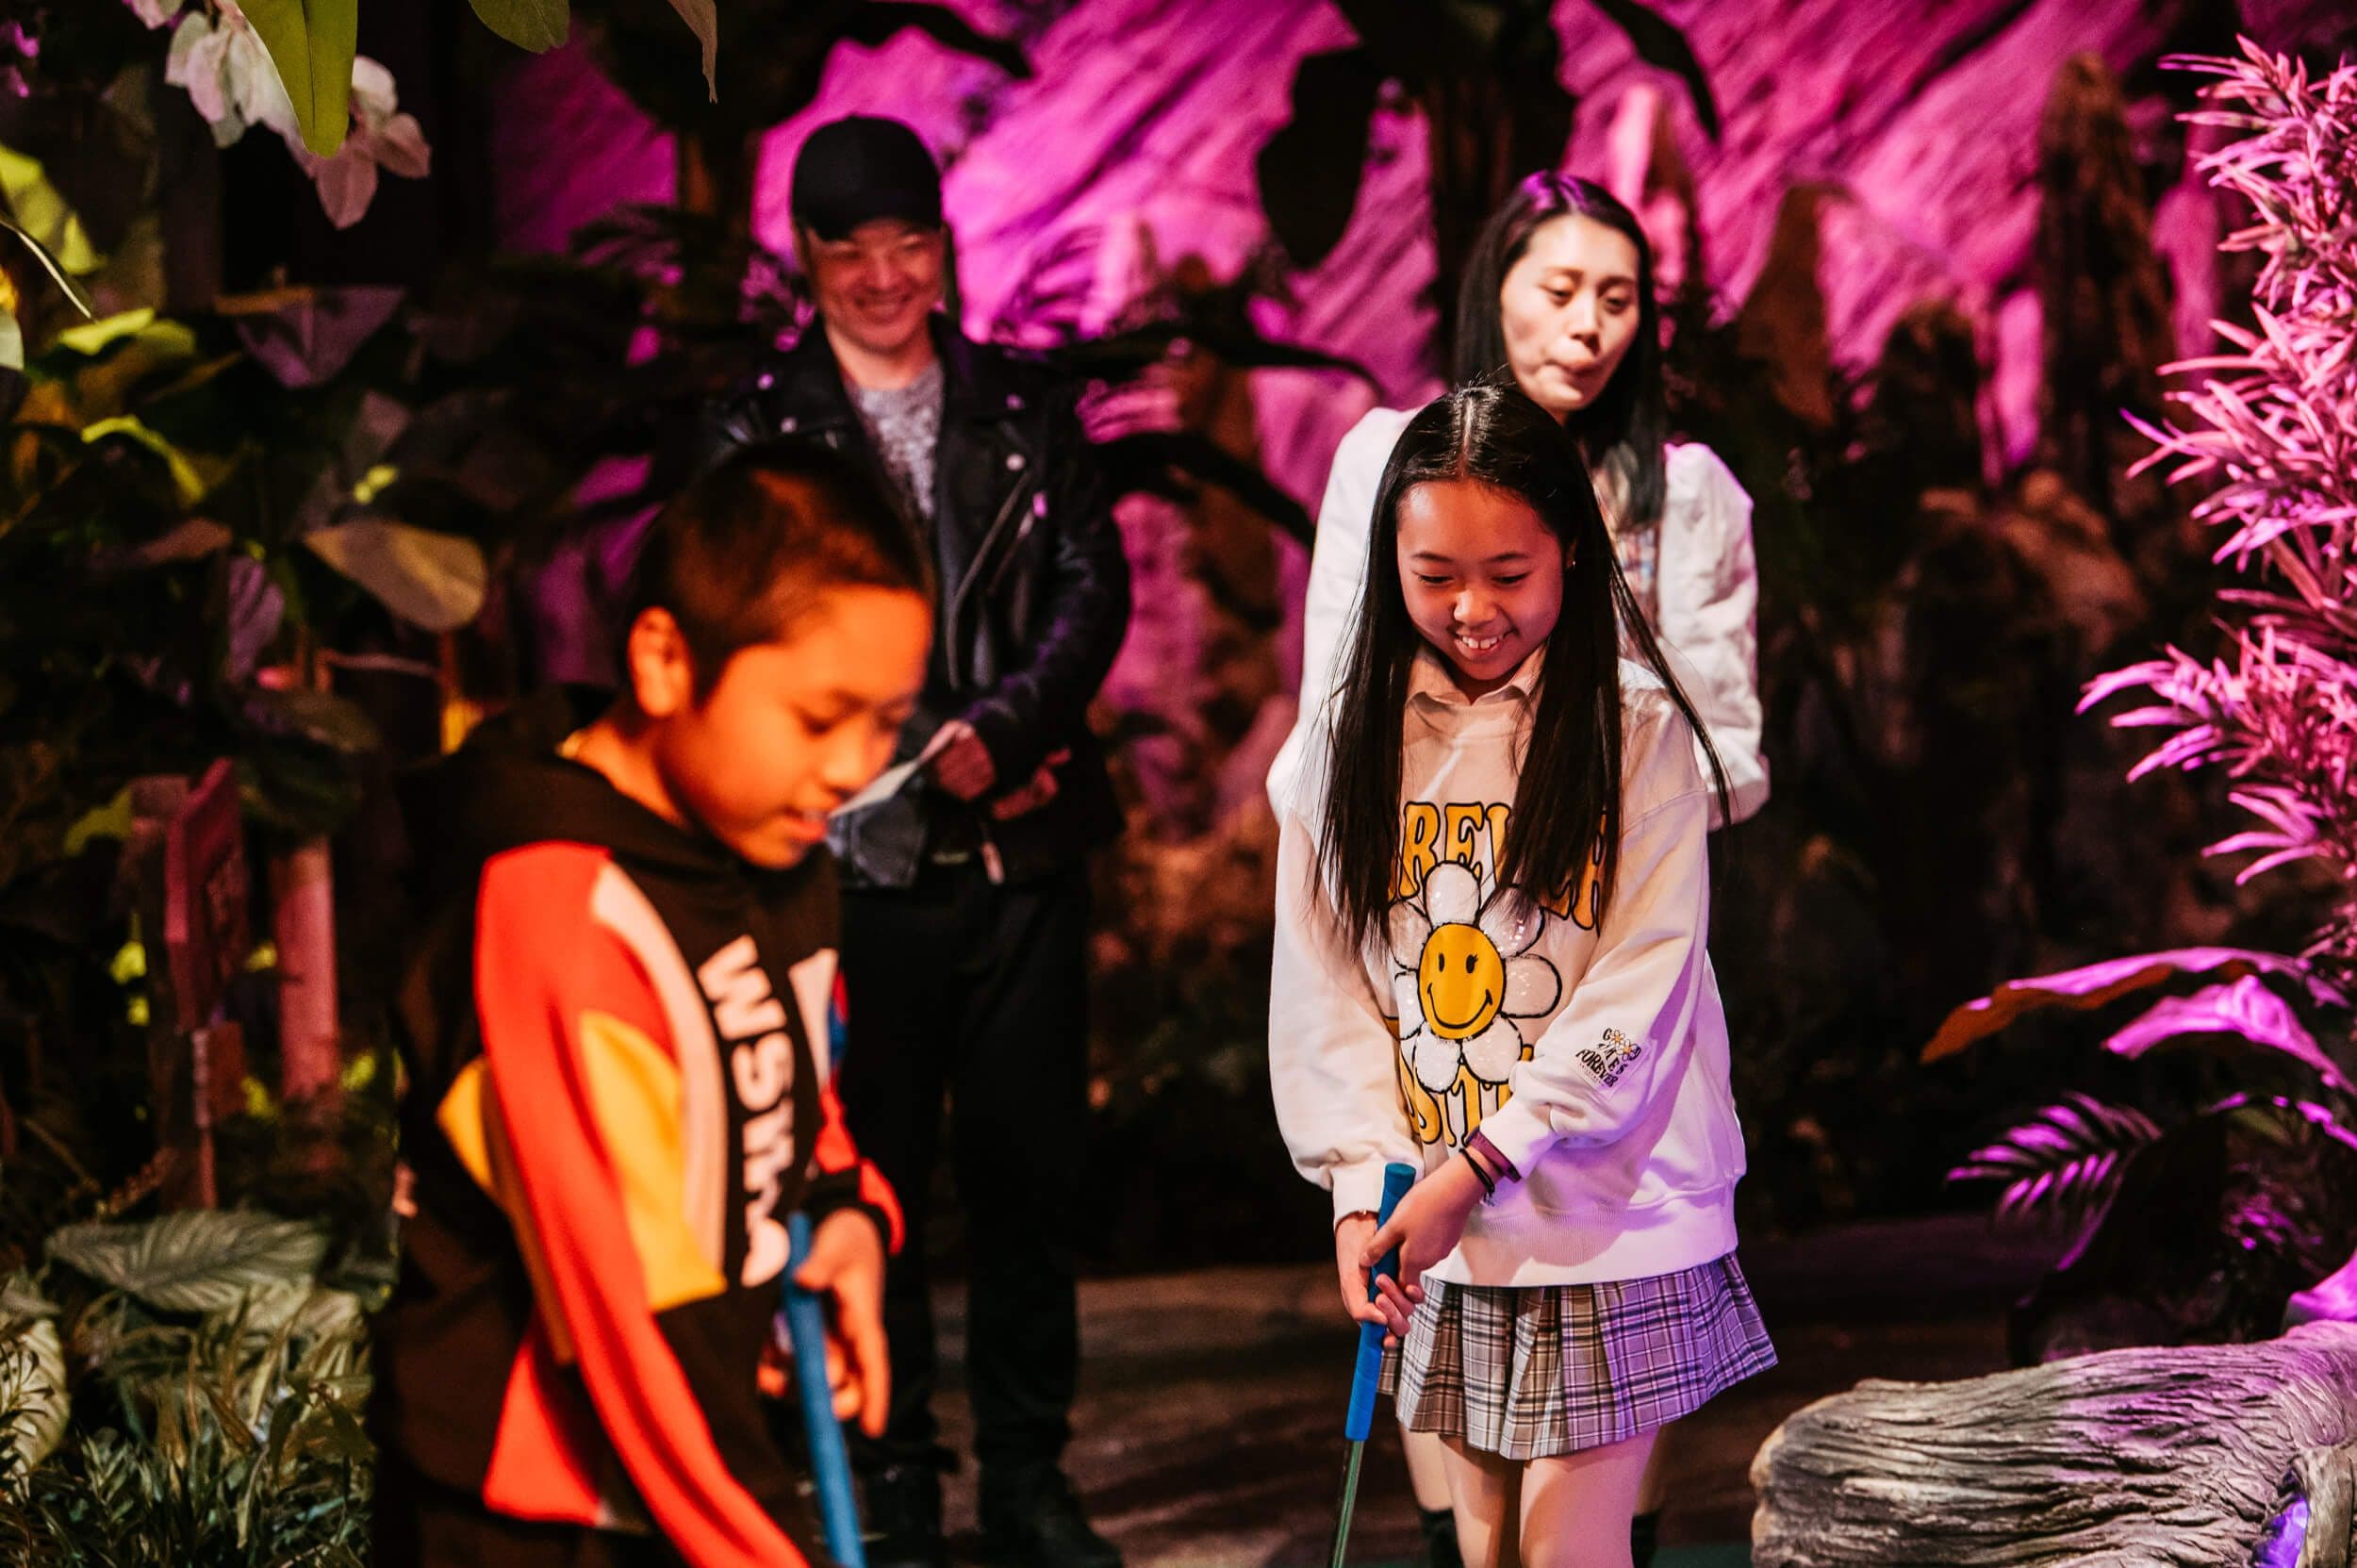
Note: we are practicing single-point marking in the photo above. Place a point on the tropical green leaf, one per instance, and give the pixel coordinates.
(298, 1310)
(38, 206)
(250, 609)
(306, 337)
(112, 820)
(11, 341)
(539, 26)
(56, 268)
(2097, 985)
(191, 539)
(312, 43)
(321, 717)
(429, 579)
(20, 1298)
(172, 339)
(33, 1398)
(199, 1261)
(2243, 1009)
(329, 1312)
(344, 1438)
(188, 480)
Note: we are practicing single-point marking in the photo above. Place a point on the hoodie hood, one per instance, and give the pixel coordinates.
(510, 786)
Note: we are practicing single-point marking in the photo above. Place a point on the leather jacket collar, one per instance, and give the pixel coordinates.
(807, 382)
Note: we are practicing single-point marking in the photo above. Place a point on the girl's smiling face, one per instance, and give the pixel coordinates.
(1482, 576)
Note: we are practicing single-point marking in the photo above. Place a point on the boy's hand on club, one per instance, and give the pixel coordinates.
(845, 1269)
(1426, 1226)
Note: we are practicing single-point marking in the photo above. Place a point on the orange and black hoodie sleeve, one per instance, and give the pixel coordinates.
(547, 979)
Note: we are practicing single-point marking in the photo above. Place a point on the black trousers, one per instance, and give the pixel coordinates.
(961, 989)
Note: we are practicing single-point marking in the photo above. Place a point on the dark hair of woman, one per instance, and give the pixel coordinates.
(1623, 434)
(1567, 788)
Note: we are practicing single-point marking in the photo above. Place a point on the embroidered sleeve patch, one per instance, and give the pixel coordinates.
(1608, 1060)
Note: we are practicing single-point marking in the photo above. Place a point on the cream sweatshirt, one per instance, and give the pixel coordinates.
(1591, 1052)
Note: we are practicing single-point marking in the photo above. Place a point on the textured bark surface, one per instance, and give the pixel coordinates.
(2156, 1457)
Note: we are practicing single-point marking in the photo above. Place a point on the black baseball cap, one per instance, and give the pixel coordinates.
(860, 168)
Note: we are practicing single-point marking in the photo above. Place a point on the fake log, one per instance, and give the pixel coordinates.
(2180, 1455)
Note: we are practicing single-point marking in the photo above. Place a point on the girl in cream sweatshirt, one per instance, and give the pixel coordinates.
(1493, 896)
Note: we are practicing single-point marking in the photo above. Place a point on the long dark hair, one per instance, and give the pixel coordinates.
(1568, 773)
(1625, 432)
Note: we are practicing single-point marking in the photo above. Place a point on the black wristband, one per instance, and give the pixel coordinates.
(1489, 1186)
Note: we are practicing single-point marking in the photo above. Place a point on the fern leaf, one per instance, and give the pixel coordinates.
(2062, 1164)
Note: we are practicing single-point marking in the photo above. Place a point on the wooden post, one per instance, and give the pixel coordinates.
(186, 853)
(303, 923)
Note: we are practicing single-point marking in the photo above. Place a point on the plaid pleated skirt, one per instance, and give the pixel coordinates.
(1539, 1371)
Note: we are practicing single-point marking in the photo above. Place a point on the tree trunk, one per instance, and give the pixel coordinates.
(717, 169)
(2132, 1456)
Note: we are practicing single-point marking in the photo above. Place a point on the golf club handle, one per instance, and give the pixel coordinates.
(1397, 1178)
(830, 1461)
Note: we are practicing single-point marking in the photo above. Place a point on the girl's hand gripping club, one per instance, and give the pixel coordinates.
(1368, 1373)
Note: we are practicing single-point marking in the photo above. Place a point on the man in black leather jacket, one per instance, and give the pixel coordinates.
(967, 912)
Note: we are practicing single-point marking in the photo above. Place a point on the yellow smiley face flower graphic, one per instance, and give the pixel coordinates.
(1463, 977)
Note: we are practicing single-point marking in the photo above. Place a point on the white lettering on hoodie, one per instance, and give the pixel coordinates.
(761, 1062)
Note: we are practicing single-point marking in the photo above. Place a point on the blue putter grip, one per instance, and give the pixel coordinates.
(1397, 1178)
(830, 1462)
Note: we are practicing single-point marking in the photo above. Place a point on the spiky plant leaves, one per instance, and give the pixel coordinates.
(33, 1398)
(2062, 1166)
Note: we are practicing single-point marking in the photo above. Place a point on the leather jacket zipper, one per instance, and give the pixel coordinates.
(974, 570)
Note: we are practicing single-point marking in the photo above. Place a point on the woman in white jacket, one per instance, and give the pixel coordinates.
(1559, 291)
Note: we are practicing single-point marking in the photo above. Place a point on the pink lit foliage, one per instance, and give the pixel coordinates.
(2269, 433)
(2272, 427)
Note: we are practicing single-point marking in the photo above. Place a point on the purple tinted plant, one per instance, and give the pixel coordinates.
(2062, 1166)
(2273, 428)
(2270, 431)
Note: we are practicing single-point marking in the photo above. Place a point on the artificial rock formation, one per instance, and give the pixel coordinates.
(1921, 121)
(2173, 1457)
